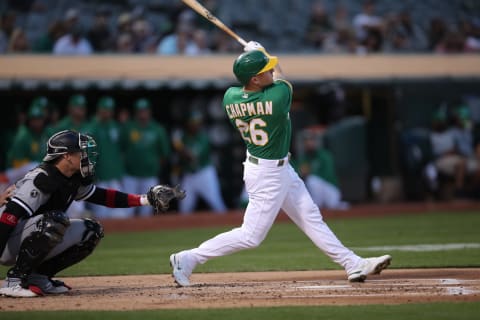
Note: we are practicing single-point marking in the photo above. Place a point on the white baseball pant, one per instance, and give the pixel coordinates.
(272, 187)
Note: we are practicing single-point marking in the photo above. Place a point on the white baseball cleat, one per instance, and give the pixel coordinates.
(12, 287)
(181, 269)
(369, 266)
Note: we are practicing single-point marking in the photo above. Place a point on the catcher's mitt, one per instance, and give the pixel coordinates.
(160, 196)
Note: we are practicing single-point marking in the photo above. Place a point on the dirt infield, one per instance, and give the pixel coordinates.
(256, 289)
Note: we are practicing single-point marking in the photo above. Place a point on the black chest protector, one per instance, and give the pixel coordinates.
(62, 190)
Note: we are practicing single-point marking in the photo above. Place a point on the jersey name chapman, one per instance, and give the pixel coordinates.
(237, 110)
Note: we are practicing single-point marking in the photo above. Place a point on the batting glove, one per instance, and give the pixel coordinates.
(253, 45)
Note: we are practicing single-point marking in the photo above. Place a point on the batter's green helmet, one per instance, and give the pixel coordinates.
(251, 63)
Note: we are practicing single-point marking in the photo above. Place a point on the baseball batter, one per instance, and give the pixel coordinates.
(259, 110)
(37, 239)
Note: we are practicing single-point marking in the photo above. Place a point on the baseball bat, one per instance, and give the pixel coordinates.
(195, 5)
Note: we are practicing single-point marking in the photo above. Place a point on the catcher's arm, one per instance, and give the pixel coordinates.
(158, 197)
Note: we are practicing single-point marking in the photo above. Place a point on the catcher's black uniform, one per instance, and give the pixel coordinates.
(36, 236)
(36, 212)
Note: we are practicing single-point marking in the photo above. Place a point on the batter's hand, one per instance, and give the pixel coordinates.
(253, 45)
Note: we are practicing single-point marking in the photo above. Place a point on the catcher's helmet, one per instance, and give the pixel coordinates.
(68, 141)
(251, 63)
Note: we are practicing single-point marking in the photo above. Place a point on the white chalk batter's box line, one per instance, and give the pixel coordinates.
(422, 247)
(447, 287)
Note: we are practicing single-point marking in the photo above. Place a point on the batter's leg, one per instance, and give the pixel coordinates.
(267, 189)
(299, 206)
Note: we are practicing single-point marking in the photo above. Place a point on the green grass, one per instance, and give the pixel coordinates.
(437, 311)
(287, 248)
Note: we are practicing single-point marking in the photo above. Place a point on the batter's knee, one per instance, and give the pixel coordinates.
(252, 240)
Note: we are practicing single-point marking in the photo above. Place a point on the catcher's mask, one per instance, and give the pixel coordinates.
(252, 63)
(69, 141)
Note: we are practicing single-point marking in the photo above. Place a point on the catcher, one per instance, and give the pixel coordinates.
(37, 238)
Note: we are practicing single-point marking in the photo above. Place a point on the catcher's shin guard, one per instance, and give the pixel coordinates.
(35, 247)
(76, 253)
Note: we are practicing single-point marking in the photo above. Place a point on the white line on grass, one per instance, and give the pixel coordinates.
(423, 247)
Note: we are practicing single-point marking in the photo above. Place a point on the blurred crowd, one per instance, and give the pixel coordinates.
(169, 27)
(443, 160)
(180, 32)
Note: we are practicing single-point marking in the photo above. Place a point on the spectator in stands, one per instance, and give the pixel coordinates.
(124, 23)
(341, 19)
(341, 41)
(3, 37)
(71, 19)
(8, 23)
(436, 32)
(447, 160)
(146, 148)
(73, 43)
(402, 35)
(453, 42)
(124, 44)
(367, 23)
(201, 40)
(18, 42)
(316, 166)
(179, 42)
(143, 38)
(199, 175)
(471, 30)
(371, 44)
(223, 43)
(110, 167)
(467, 147)
(100, 35)
(46, 42)
(319, 26)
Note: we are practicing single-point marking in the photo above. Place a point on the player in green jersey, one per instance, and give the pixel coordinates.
(259, 110)
(110, 167)
(146, 148)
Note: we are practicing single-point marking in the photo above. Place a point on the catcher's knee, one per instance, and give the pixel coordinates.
(51, 227)
(92, 234)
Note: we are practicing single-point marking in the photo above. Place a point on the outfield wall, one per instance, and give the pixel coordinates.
(214, 67)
